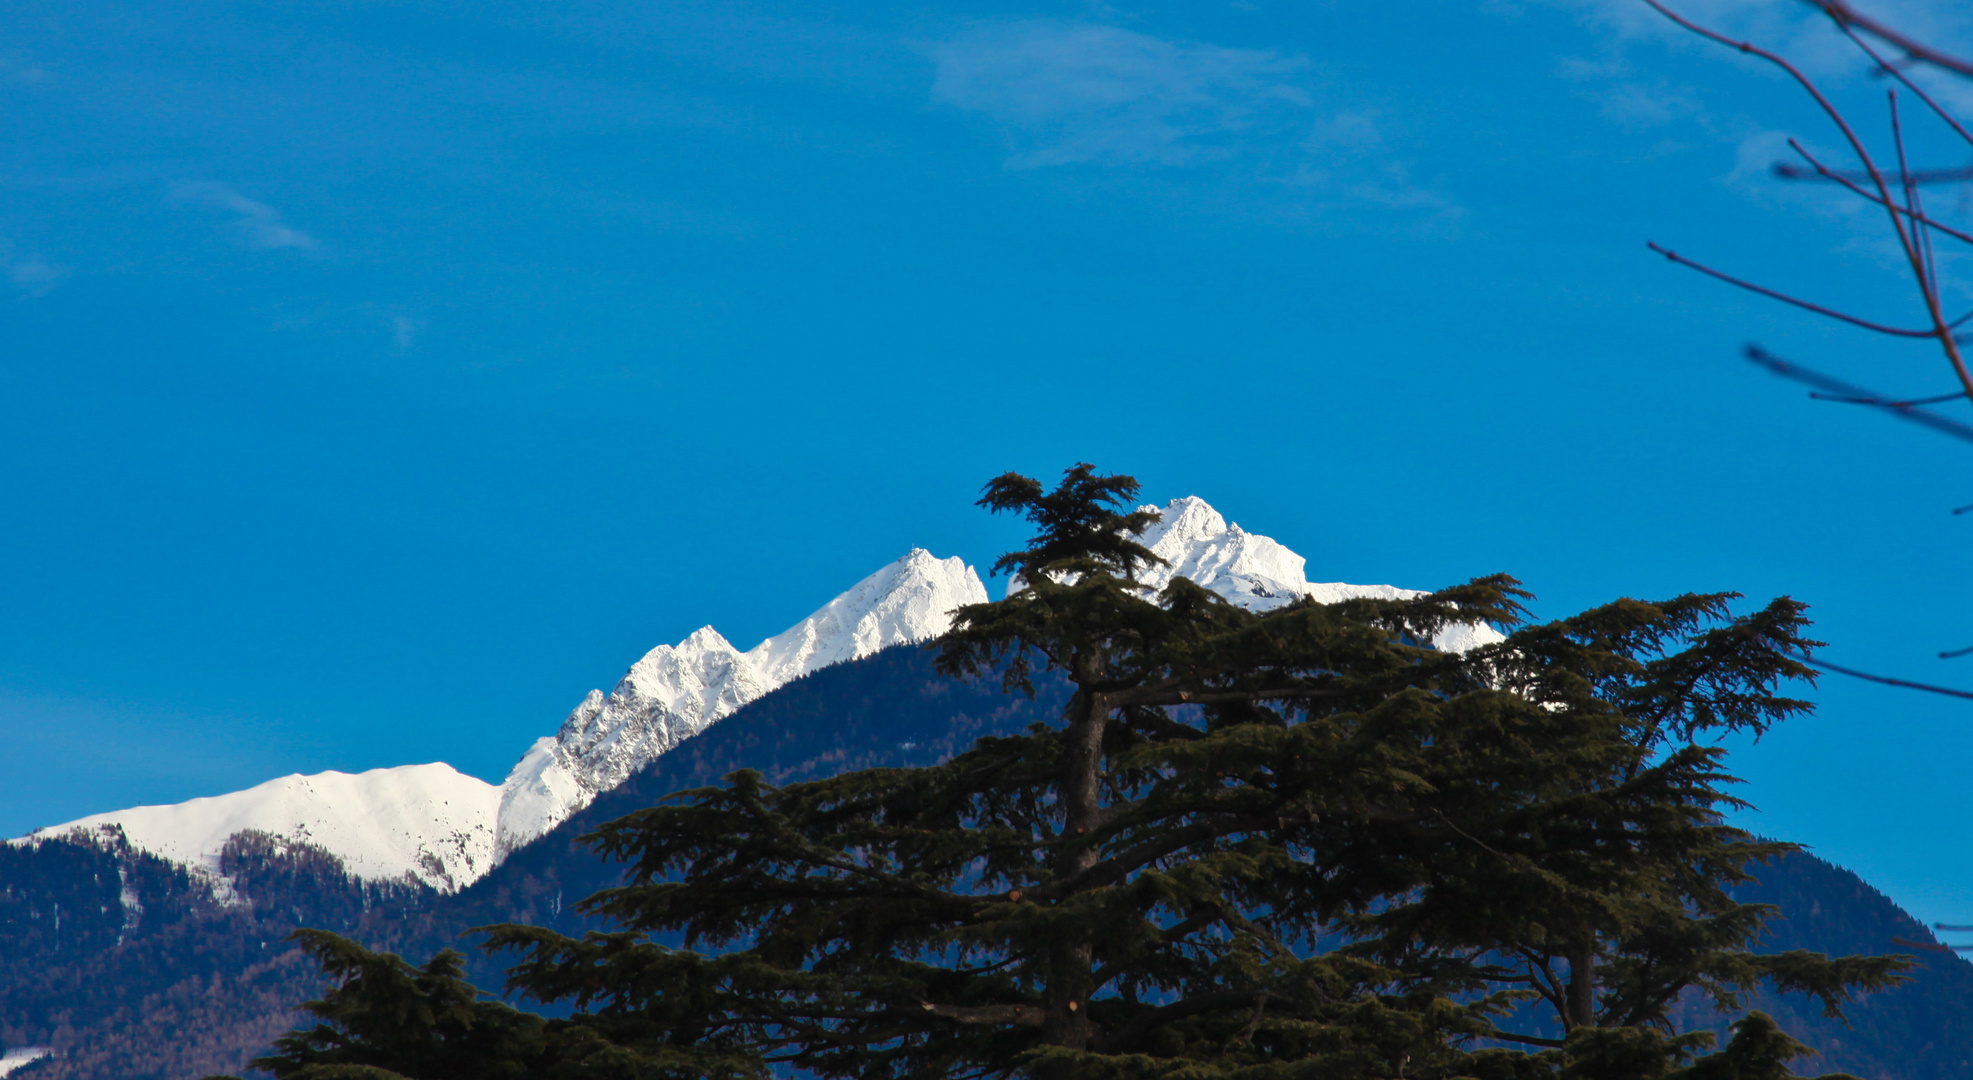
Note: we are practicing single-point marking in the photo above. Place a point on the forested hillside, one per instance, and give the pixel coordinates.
(1919, 1031)
(129, 966)
(190, 985)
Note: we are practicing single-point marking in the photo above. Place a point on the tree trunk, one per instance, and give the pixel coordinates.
(1080, 792)
(1582, 986)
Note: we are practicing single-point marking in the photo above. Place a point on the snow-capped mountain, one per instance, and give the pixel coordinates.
(425, 822)
(435, 825)
(675, 691)
(1254, 571)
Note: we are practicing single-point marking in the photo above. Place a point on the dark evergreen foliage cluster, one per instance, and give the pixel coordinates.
(1301, 843)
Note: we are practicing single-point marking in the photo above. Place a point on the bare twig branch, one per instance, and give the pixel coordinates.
(1887, 403)
(1948, 655)
(1909, 242)
(1894, 331)
(1928, 267)
(1824, 665)
(1895, 71)
(1960, 173)
(1849, 18)
(1925, 417)
(1787, 171)
(1929, 946)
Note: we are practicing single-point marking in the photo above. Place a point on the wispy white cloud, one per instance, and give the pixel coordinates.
(257, 223)
(1082, 92)
(404, 333)
(1648, 105)
(1792, 28)
(1634, 102)
(27, 271)
(1627, 83)
(26, 74)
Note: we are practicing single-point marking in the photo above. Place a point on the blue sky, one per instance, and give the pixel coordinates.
(375, 379)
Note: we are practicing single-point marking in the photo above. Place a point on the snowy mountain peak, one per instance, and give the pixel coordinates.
(427, 823)
(1248, 569)
(1251, 570)
(910, 600)
(1189, 518)
(707, 639)
(676, 691)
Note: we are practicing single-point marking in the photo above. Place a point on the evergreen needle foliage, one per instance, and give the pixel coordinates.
(1304, 843)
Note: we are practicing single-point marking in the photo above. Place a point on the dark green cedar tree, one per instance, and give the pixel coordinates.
(1299, 843)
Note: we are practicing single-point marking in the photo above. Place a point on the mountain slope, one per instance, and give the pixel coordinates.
(427, 823)
(676, 691)
(441, 828)
(130, 966)
(1919, 1031)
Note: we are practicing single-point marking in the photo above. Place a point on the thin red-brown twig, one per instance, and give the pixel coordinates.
(1895, 331)
(1940, 329)
(1836, 175)
(1902, 403)
(1894, 72)
(1847, 17)
(1885, 679)
(1903, 410)
(1955, 175)
(1932, 947)
(1928, 277)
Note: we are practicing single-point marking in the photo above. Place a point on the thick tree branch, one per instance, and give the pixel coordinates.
(1114, 869)
(1021, 1015)
(1530, 1040)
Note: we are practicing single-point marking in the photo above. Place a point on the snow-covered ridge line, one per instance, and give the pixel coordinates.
(20, 1056)
(677, 691)
(427, 823)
